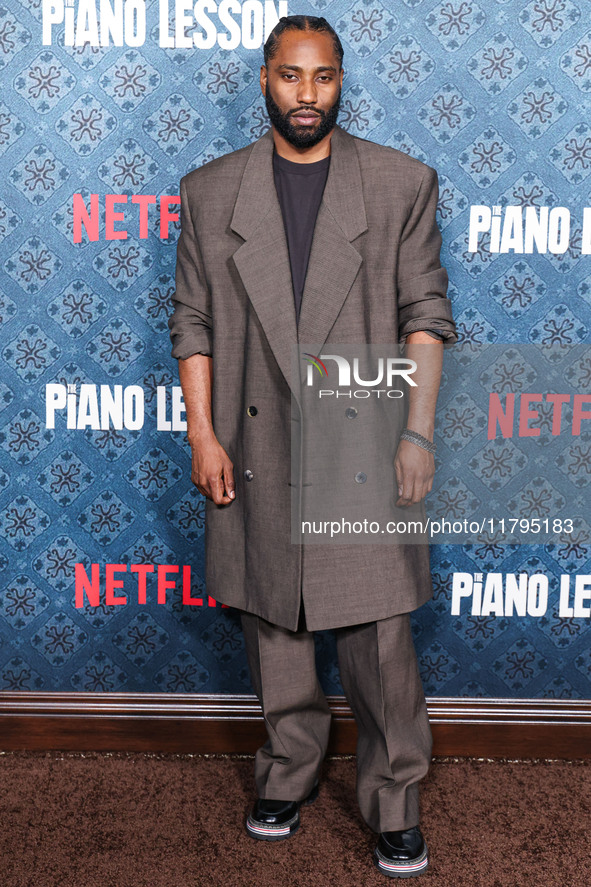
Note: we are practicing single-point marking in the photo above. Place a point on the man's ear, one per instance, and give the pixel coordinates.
(263, 79)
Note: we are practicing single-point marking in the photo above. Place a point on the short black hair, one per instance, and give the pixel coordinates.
(302, 23)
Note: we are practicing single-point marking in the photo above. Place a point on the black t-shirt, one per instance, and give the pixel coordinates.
(299, 189)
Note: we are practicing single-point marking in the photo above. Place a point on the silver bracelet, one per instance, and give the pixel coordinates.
(418, 439)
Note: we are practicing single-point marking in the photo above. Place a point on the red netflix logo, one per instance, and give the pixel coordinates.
(509, 419)
(90, 588)
(90, 221)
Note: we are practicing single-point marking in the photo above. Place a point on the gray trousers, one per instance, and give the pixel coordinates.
(380, 677)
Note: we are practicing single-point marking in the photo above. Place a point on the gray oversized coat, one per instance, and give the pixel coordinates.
(374, 276)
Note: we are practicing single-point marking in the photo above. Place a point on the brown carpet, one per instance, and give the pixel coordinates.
(135, 820)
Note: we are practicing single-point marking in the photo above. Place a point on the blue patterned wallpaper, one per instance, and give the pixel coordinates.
(495, 96)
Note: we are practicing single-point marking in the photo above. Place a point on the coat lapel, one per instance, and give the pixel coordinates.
(334, 261)
(263, 259)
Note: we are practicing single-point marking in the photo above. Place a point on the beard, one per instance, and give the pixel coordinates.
(296, 134)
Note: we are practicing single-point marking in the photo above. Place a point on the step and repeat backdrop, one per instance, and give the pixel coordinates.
(105, 104)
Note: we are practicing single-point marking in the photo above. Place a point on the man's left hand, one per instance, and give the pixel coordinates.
(415, 470)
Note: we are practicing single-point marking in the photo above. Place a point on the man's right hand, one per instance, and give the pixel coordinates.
(212, 472)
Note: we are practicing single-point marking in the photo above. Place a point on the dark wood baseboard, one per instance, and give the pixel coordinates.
(204, 724)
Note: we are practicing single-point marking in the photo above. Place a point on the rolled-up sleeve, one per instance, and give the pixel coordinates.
(190, 323)
(422, 281)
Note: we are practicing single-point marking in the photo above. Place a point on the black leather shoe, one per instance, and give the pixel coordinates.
(401, 854)
(276, 820)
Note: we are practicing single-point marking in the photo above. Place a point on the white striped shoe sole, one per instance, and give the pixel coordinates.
(272, 833)
(402, 869)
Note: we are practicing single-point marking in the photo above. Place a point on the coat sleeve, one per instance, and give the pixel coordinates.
(190, 324)
(422, 282)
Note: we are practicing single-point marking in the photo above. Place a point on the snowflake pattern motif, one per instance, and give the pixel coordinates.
(498, 463)
(404, 67)
(537, 108)
(446, 113)
(529, 190)
(360, 112)
(537, 499)
(473, 262)
(85, 125)
(461, 421)
(560, 326)
(59, 639)
(141, 639)
(479, 631)
(56, 563)
(123, 262)
(115, 347)
(18, 674)
(154, 474)
(222, 78)
(77, 308)
(31, 353)
(106, 518)
(572, 154)
(519, 664)
(188, 515)
(21, 521)
(130, 81)
(473, 327)
(25, 436)
(216, 148)
(128, 169)
(576, 63)
(366, 25)
(452, 499)
(518, 288)
(65, 478)
(155, 305)
(39, 175)
(44, 82)
(454, 22)
(99, 674)
(173, 125)
(21, 602)
(547, 20)
(488, 157)
(14, 37)
(497, 63)
(183, 674)
(32, 265)
(437, 667)
(562, 630)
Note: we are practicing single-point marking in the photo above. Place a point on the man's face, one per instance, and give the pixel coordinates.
(302, 87)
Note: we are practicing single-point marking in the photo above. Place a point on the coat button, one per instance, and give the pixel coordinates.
(350, 412)
(252, 411)
(248, 474)
(360, 477)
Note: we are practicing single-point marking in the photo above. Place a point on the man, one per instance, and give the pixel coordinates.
(311, 235)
